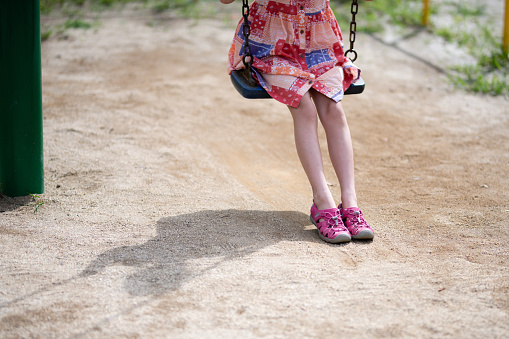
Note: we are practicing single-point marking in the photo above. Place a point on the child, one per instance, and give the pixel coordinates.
(298, 58)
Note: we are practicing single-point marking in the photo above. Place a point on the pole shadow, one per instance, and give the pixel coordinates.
(8, 204)
(163, 262)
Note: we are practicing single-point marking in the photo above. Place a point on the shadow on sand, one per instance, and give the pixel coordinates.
(163, 262)
(13, 203)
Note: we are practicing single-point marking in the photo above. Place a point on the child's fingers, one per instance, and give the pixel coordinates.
(227, 1)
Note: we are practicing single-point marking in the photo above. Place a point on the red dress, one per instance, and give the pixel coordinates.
(296, 45)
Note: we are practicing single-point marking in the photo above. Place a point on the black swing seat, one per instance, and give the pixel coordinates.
(245, 89)
(257, 92)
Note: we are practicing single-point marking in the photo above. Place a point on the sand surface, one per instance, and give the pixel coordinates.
(176, 208)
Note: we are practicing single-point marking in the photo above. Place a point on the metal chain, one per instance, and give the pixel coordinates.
(353, 28)
(246, 32)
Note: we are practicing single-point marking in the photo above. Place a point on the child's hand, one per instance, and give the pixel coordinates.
(227, 1)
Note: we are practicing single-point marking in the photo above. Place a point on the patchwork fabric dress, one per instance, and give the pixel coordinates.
(296, 45)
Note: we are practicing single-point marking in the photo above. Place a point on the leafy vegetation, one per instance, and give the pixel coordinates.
(468, 29)
(471, 31)
(77, 23)
(156, 5)
(75, 10)
(373, 15)
(48, 5)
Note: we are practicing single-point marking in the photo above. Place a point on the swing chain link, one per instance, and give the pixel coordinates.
(246, 32)
(353, 29)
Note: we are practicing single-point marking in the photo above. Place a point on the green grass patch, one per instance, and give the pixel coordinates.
(495, 61)
(185, 8)
(469, 10)
(446, 33)
(476, 79)
(156, 5)
(473, 31)
(46, 34)
(372, 16)
(188, 8)
(469, 29)
(48, 5)
(76, 23)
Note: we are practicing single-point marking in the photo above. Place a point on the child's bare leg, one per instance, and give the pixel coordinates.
(305, 123)
(339, 143)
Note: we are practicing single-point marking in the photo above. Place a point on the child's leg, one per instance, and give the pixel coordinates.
(305, 123)
(339, 143)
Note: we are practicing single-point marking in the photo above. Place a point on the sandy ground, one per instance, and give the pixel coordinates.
(176, 208)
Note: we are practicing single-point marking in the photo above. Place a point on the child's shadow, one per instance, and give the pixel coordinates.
(171, 258)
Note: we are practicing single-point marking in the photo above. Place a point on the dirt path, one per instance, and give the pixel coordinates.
(175, 208)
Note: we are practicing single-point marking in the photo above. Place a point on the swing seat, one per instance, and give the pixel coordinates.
(357, 87)
(245, 89)
(257, 92)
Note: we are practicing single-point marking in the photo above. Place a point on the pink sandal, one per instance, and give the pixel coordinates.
(331, 228)
(354, 221)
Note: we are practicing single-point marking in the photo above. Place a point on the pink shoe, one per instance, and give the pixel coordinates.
(357, 226)
(331, 228)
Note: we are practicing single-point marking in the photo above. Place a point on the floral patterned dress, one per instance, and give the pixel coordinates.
(296, 45)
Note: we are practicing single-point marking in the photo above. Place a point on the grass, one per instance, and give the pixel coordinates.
(76, 23)
(472, 32)
(46, 34)
(472, 10)
(372, 15)
(48, 5)
(185, 6)
(70, 23)
(473, 78)
(489, 76)
(75, 9)
(469, 30)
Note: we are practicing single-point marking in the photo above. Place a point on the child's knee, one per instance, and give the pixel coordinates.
(308, 115)
(305, 111)
(333, 115)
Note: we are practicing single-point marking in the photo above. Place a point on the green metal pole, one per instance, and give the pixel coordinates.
(21, 157)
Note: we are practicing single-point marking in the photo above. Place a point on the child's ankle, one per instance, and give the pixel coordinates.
(348, 203)
(324, 202)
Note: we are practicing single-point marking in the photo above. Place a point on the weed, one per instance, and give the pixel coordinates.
(48, 5)
(372, 16)
(477, 79)
(473, 32)
(161, 6)
(38, 203)
(446, 33)
(494, 61)
(489, 75)
(46, 34)
(76, 23)
(466, 10)
(188, 8)
(400, 12)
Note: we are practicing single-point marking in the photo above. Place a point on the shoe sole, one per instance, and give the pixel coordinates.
(364, 235)
(339, 239)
